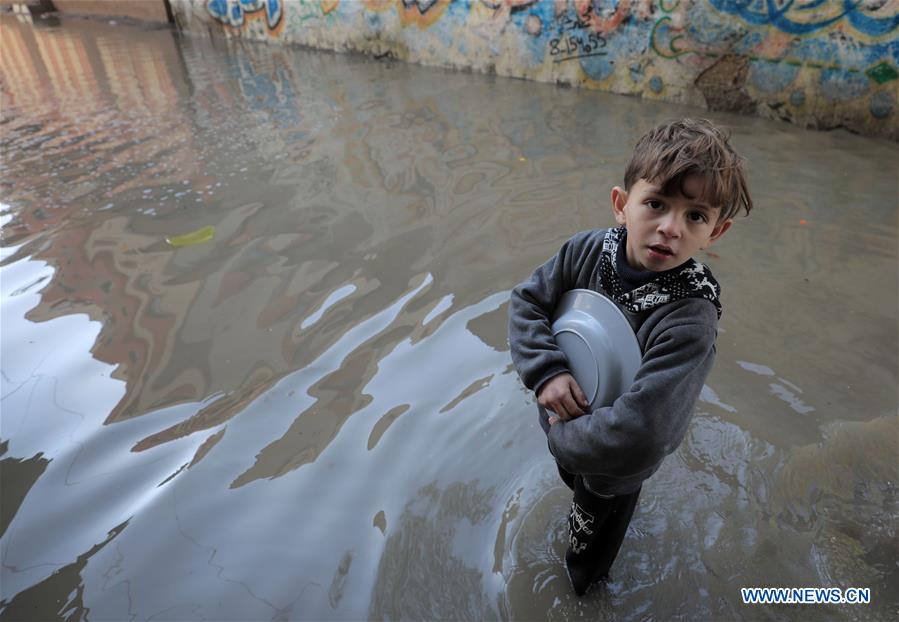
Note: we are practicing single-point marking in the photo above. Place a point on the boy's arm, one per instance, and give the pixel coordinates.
(649, 421)
(533, 347)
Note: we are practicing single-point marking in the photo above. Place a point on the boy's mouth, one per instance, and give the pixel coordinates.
(661, 249)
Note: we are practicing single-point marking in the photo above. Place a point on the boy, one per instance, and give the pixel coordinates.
(682, 188)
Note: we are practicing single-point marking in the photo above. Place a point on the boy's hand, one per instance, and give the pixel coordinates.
(562, 395)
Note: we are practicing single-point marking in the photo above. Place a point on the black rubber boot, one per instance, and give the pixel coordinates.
(596, 529)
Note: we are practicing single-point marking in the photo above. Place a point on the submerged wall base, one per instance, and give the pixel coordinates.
(819, 64)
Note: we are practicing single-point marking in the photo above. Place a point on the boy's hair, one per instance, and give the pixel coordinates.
(669, 153)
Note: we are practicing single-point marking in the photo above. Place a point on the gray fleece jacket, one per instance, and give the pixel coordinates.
(616, 448)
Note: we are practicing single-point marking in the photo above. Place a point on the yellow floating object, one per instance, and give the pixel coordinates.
(200, 236)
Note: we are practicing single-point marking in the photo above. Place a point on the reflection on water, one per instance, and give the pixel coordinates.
(255, 362)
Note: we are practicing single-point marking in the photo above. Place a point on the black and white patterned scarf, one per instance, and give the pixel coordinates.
(690, 280)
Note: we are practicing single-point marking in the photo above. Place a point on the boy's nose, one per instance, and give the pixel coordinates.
(670, 226)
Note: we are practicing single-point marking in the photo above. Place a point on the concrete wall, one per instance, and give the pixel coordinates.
(821, 63)
(148, 10)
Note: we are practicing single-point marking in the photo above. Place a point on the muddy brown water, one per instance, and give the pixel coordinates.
(254, 353)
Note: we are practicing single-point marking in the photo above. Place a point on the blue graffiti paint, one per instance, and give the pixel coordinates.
(232, 12)
(881, 104)
(767, 12)
(843, 86)
(597, 67)
(218, 9)
(771, 77)
(459, 9)
(797, 97)
(707, 28)
(273, 14)
(746, 44)
(814, 4)
(849, 56)
(655, 84)
(535, 45)
(872, 25)
(636, 72)
(423, 6)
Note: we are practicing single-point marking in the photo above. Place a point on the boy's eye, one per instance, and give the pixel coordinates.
(653, 204)
(696, 217)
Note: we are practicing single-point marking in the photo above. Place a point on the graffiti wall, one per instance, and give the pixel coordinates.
(819, 63)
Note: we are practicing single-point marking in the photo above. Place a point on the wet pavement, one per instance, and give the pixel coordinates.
(254, 353)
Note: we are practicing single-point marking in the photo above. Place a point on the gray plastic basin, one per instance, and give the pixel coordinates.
(600, 344)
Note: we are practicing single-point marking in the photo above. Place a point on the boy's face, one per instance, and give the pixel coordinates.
(664, 231)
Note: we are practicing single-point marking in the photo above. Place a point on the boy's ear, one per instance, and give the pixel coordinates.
(719, 230)
(619, 200)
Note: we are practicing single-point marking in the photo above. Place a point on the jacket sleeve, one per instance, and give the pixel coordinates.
(535, 354)
(648, 422)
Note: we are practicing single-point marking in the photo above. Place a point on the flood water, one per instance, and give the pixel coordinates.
(255, 363)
